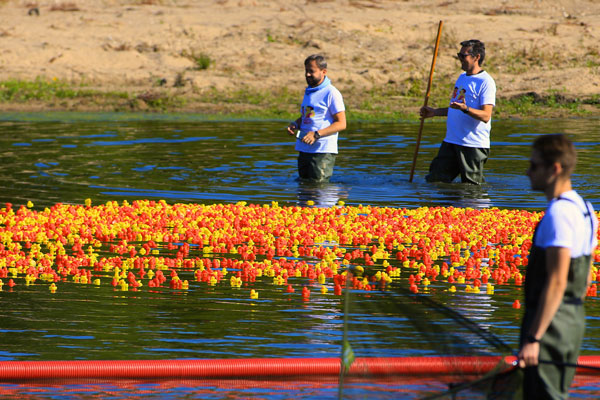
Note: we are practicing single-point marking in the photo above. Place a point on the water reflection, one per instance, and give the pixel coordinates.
(107, 158)
(463, 195)
(320, 194)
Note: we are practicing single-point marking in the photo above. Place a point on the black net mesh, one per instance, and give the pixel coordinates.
(416, 347)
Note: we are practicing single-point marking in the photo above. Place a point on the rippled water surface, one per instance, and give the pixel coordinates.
(67, 158)
(186, 160)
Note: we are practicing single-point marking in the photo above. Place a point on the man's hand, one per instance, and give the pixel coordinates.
(309, 138)
(459, 105)
(427, 112)
(292, 128)
(528, 355)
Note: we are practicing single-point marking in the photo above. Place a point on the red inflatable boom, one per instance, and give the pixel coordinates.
(259, 367)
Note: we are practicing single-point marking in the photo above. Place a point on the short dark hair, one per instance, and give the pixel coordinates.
(319, 59)
(558, 148)
(477, 48)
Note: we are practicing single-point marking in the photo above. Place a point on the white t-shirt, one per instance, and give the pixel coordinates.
(318, 109)
(462, 129)
(565, 225)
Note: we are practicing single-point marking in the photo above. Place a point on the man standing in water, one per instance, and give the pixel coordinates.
(558, 273)
(466, 147)
(322, 117)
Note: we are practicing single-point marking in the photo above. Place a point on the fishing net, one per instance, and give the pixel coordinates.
(434, 296)
(424, 345)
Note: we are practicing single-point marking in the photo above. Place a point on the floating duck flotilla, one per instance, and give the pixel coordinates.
(152, 245)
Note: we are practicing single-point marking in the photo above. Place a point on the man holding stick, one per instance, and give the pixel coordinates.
(466, 146)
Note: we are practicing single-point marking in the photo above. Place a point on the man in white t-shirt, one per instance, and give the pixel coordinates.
(558, 273)
(466, 146)
(322, 117)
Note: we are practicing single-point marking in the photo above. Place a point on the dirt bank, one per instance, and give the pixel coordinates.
(226, 55)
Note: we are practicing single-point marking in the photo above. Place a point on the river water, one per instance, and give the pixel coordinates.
(67, 158)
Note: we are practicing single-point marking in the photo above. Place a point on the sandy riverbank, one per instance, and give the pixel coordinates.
(214, 55)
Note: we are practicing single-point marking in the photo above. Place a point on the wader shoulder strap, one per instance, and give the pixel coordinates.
(586, 214)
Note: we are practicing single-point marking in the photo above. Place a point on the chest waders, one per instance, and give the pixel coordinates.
(562, 340)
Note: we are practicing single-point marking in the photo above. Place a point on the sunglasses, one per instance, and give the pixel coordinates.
(462, 56)
(535, 165)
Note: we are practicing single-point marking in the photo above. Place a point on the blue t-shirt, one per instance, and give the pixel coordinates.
(319, 106)
(477, 90)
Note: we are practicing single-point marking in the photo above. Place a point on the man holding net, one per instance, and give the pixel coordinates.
(558, 273)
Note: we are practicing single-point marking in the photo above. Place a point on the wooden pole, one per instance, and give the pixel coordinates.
(437, 45)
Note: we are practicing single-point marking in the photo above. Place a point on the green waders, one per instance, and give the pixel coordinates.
(316, 167)
(562, 341)
(453, 159)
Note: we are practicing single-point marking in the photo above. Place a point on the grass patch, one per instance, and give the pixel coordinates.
(594, 100)
(391, 102)
(57, 94)
(255, 97)
(532, 104)
(270, 37)
(256, 103)
(158, 101)
(201, 60)
(40, 89)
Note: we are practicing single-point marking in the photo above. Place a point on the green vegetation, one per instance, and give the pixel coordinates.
(40, 89)
(532, 104)
(157, 101)
(391, 102)
(201, 60)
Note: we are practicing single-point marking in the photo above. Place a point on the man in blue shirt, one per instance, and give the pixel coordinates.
(466, 147)
(322, 117)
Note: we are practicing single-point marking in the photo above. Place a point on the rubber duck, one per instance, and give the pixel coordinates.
(305, 293)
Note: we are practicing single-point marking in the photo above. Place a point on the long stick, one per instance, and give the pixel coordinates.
(437, 45)
(346, 359)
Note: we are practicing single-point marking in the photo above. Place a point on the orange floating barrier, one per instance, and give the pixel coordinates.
(260, 367)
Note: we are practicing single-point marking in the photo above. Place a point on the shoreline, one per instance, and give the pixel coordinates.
(47, 96)
(47, 115)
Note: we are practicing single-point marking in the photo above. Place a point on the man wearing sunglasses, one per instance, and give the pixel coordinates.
(466, 147)
(558, 273)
